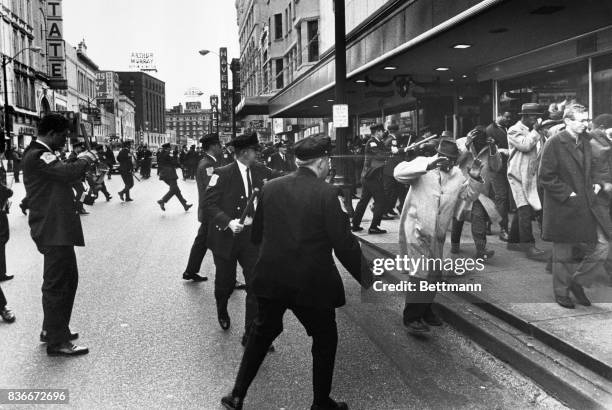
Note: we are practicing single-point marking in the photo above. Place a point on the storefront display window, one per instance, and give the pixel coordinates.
(559, 86)
(602, 85)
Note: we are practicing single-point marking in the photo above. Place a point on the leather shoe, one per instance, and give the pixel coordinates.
(375, 231)
(431, 319)
(121, 195)
(331, 405)
(24, 210)
(223, 317)
(356, 229)
(161, 205)
(565, 301)
(194, 277)
(128, 199)
(7, 315)
(66, 349)
(386, 217)
(232, 402)
(503, 235)
(6, 277)
(417, 326)
(45, 339)
(536, 254)
(392, 213)
(244, 341)
(578, 292)
(187, 206)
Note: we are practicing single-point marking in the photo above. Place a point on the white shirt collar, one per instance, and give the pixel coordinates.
(241, 167)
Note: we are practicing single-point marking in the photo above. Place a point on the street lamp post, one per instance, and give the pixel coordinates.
(232, 96)
(5, 61)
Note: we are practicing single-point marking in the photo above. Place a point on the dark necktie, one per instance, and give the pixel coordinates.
(249, 183)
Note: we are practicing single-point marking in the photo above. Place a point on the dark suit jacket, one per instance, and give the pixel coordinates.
(276, 162)
(167, 165)
(225, 199)
(205, 170)
(299, 221)
(48, 182)
(376, 155)
(565, 169)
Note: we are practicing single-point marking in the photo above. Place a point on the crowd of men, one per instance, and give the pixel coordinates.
(270, 210)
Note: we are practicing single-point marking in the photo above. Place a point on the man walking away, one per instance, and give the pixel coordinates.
(498, 132)
(167, 166)
(126, 169)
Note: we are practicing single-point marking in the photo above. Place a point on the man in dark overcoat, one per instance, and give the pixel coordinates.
(167, 165)
(570, 215)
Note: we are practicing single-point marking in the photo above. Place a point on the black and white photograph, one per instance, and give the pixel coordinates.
(306, 204)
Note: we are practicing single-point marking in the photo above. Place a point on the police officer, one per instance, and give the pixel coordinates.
(55, 228)
(225, 200)
(126, 167)
(299, 221)
(280, 161)
(376, 154)
(5, 194)
(77, 186)
(209, 162)
(167, 165)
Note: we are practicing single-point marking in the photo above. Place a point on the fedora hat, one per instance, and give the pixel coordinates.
(531, 109)
(448, 148)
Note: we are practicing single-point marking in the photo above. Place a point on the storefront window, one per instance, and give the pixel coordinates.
(554, 86)
(602, 85)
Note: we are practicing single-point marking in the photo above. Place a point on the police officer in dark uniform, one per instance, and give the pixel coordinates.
(299, 221)
(225, 200)
(280, 161)
(55, 228)
(167, 165)
(126, 168)
(209, 162)
(376, 154)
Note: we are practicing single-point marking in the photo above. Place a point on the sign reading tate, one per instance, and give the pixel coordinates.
(56, 48)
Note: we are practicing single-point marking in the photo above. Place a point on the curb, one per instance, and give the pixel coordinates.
(583, 384)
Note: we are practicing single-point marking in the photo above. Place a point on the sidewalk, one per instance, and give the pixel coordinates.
(519, 291)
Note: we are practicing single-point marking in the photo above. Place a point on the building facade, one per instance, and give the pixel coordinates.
(126, 119)
(279, 41)
(149, 95)
(190, 123)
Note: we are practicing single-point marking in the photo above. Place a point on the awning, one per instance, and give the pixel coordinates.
(252, 106)
(419, 38)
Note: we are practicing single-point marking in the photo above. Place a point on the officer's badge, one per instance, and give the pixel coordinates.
(209, 171)
(342, 205)
(213, 180)
(373, 145)
(48, 157)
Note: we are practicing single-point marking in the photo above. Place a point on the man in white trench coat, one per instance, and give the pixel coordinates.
(436, 186)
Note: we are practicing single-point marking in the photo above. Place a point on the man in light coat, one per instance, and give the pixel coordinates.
(436, 186)
(525, 142)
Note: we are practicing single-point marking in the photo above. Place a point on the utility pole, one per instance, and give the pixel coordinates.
(7, 134)
(342, 178)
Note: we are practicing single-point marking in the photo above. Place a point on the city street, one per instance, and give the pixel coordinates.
(155, 341)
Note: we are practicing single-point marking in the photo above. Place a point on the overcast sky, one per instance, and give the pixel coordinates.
(173, 30)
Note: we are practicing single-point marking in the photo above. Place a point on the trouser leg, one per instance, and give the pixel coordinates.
(562, 267)
(198, 250)
(457, 228)
(501, 188)
(266, 327)
(524, 224)
(225, 279)
(3, 301)
(418, 302)
(479, 226)
(320, 324)
(247, 256)
(60, 281)
(374, 185)
(595, 259)
(366, 195)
